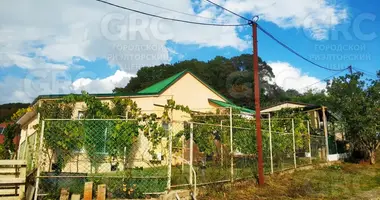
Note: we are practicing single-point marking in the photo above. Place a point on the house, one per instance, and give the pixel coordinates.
(315, 112)
(322, 122)
(184, 88)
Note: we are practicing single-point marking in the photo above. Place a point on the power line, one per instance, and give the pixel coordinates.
(274, 38)
(365, 72)
(167, 18)
(323, 80)
(230, 11)
(294, 52)
(172, 10)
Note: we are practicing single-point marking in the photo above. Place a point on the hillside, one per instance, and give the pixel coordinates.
(233, 78)
(7, 110)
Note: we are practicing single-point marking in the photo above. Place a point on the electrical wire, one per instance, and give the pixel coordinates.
(167, 18)
(294, 52)
(172, 10)
(213, 24)
(323, 80)
(275, 39)
(230, 11)
(365, 72)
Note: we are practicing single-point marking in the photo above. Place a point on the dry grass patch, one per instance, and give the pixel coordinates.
(341, 181)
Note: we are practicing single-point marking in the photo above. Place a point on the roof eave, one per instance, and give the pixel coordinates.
(26, 117)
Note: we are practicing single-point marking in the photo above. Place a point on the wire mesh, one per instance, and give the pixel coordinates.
(211, 155)
(282, 144)
(244, 153)
(27, 151)
(180, 174)
(302, 147)
(318, 148)
(134, 163)
(111, 152)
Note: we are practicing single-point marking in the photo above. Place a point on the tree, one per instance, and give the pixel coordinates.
(7, 110)
(233, 78)
(357, 101)
(10, 132)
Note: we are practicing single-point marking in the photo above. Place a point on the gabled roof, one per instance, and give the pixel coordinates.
(161, 86)
(230, 105)
(288, 102)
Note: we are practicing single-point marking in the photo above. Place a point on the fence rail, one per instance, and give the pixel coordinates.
(134, 163)
(12, 178)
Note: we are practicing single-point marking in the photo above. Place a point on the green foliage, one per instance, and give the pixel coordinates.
(7, 110)
(356, 101)
(231, 77)
(335, 167)
(63, 139)
(100, 138)
(9, 148)
(121, 139)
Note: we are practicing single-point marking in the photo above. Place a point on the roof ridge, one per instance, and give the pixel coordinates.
(163, 84)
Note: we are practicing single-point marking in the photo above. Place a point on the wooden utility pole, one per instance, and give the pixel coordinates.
(256, 81)
(350, 69)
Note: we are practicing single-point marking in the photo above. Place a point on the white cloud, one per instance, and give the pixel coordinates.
(314, 16)
(25, 89)
(60, 31)
(45, 35)
(290, 77)
(106, 85)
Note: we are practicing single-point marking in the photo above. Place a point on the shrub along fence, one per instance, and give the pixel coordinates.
(132, 164)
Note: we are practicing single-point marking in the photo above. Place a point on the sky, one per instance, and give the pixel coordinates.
(60, 47)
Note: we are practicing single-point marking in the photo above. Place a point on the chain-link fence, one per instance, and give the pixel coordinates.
(27, 151)
(111, 152)
(318, 148)
(134, 163)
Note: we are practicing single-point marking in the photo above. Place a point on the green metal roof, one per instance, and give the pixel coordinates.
(159, 87)
(229, 105)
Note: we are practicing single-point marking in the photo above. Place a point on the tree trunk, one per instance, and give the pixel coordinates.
(372, 156)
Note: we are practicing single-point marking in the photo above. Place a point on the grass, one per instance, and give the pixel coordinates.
(341, 181)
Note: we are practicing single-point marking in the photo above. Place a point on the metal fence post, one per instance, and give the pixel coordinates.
(308, 132)
(170, 155)
(183, 153)
(221, 144)
(38, 159)
(294, 145)
(231, 149)
(270, 145)
(191, 153)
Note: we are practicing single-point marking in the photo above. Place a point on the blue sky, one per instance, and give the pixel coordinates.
(47, 48)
